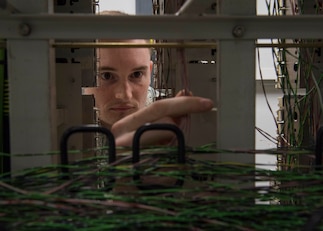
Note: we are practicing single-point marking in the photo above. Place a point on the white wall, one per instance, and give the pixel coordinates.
(266, 59)
(265, 120)
(126, 6)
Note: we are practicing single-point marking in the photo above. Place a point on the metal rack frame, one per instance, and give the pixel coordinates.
(30, 38)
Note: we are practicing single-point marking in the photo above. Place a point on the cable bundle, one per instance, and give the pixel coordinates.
(158, 193)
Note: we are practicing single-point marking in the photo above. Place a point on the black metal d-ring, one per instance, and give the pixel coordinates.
(148, 127)
(85, 128)
(318, 148)
(169, 127)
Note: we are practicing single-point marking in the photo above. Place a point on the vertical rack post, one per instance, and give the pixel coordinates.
(32, 94)
(236, 85)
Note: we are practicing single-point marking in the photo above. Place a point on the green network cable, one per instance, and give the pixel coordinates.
(213, 196)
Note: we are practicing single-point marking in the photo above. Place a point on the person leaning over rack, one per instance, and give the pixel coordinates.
(121, 95)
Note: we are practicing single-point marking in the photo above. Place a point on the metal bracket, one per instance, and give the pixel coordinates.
(85, 128)
(136, 147)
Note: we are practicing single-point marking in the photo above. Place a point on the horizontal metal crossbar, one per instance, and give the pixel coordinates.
(88, 26)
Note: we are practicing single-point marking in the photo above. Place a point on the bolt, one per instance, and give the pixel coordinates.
(238, 31)
(24, 29)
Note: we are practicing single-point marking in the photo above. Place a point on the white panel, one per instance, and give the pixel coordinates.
(126, 6)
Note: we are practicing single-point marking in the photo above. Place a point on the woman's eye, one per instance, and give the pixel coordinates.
(137, 74)
(106, 76)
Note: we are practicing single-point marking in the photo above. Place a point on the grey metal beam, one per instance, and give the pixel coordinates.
(32, 102)
(86, 26)
(236, 89)
(32, 94)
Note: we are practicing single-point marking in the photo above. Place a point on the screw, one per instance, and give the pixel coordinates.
(238, 31)
(24, 29)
